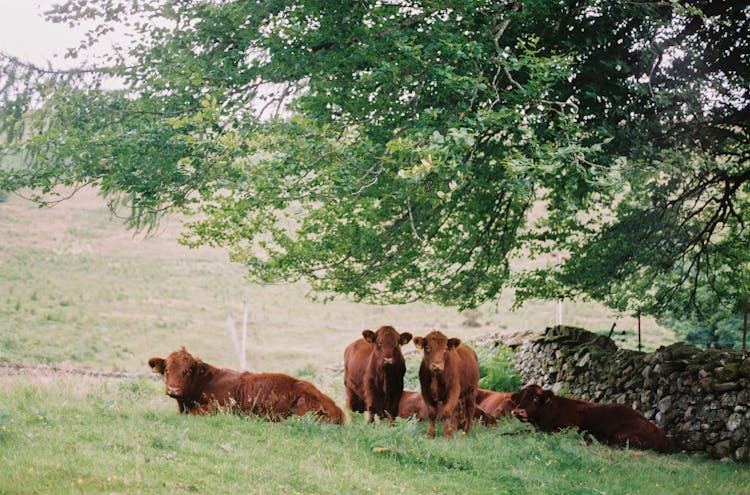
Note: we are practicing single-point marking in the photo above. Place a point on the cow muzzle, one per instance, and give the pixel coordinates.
(437, 367)
(521, 415)
(388, 361)
(174, 392)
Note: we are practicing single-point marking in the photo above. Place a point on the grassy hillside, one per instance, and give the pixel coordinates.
(78, 435)
(77, 288)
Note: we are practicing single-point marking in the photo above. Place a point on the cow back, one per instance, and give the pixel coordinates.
(276, 396)
(411, 404)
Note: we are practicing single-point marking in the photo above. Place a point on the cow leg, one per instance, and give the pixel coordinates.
(449, 418)
(469, 414)
(372, 411)
(431, 428)
(354, 402)
(432, 416)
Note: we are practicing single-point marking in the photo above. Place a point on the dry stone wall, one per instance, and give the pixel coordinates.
(700, 398)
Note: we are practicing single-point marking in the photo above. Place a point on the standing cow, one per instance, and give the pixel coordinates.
(613, 424)
(449, 377)
(374, 370)
(200, 388)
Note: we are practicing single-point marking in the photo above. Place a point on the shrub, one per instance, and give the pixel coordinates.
(497, 370)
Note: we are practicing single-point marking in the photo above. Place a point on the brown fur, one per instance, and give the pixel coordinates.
(374, 370)
(613, 424)
(200, 388)
(412, 404)
(497, 404)
(449, 376)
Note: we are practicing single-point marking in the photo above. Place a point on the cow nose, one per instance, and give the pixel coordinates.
(388, 361)
(520, 414)
(436, 367)
(174, 391)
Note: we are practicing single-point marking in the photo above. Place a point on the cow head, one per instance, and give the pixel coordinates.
(435, 346)
(181, 372)
(387, 343)
(530, 403)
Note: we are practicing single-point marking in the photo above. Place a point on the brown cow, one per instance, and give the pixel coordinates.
(412, 404)
(200, 388)
(449, 376)
(613, 424)
(374, 372)
(497, 404)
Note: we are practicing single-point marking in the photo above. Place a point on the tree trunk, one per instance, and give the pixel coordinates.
(744, 327)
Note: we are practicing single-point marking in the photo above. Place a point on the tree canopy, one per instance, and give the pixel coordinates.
(394, 150)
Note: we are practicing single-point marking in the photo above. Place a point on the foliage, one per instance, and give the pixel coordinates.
(720, 330)
(392, 151)
(666, 83)
(497, 370)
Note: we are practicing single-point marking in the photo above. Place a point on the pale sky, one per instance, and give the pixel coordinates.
(25, 34)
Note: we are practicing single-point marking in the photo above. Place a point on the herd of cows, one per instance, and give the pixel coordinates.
(374, 369)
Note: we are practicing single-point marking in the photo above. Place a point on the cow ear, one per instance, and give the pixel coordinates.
(199, 368)
(157, 365)
(369, 335)
(453, 343)
(418, 342)
(547, 396)
(516, 397)
(404, 338)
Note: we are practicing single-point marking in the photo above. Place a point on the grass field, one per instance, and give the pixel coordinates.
(81, 435)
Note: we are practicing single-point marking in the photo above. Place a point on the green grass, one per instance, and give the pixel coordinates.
(81, 435)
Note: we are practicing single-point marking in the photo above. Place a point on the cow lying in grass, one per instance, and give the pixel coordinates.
(200, 388)
(496, 405)
(491, 406)
(613, 424)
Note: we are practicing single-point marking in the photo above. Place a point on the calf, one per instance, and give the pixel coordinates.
(613, 424)
(449, 376)
(200, 388)
(374, 372)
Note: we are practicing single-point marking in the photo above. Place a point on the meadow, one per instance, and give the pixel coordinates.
(78, 290)
(83, 435)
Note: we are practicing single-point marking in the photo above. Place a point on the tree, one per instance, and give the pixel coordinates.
(392, 150)
(406, 145)
(664, 86)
